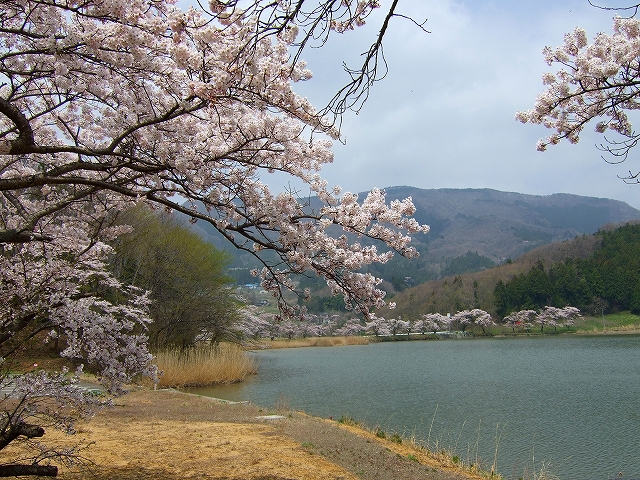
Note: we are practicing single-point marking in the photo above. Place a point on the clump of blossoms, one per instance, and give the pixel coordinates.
(597, 81)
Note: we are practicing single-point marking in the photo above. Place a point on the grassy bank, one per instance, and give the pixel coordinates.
(206, 365)
(314, 342)
(612, 323)
(621, 322)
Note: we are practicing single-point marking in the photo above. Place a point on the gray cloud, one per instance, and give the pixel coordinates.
(444, 116)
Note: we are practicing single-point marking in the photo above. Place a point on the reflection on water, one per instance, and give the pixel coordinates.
(572, 402)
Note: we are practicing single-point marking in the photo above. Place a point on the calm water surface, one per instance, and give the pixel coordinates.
(570, 402)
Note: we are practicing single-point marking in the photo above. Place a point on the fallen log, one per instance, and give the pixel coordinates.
(39, 470)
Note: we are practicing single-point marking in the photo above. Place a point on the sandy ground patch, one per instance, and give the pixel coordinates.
(169, 435)
(182, 449)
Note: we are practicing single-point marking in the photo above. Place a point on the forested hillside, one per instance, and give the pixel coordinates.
(472, 229)
(607, 280)
(599, 272)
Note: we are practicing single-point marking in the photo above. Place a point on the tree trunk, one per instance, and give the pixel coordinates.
(39, 470)
(21, 428)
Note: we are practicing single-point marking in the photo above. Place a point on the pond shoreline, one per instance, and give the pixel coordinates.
(572, 398)
(367, 340)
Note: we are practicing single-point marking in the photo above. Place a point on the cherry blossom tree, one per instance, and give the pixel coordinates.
(554, 316)
(254, 323)
(420, 326)
(596, 82)
(351, 327)
(527, 317)
(149, 102)
(482, 319)
(476, 316)
(398, 326)
(547, 317)
(23, 417)
(512, 321)
(107, 104)
(60, 294)
(570, 315)
(378, 326)
(522, 318)
(462, 319)
(309, 329)
(328, 326)
(430, 322)
(288, 329)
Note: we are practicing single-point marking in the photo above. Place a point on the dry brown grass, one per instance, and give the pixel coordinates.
(206, 365)
(316, 342)
(167, 435)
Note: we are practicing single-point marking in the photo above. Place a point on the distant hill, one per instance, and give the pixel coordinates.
(475, 290)
(476, 228)
(501, 225)
(473, 229)
(603, 265)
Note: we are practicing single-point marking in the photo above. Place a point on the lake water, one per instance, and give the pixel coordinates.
(571, 403)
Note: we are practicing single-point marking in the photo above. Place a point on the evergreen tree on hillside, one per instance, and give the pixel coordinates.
(611, 273)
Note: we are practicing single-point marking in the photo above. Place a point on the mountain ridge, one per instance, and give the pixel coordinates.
(558, 260)
(503, 225)
(489, 224)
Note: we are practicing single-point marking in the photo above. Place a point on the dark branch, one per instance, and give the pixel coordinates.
(633, 8)
(25, 135)
(15, 236)
(10, 433)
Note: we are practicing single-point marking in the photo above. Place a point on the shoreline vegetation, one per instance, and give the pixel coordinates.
(611, 324)
(337, 341)
(204, 365)
(227, 363)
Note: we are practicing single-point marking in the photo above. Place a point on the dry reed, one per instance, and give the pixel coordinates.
(204, 365)
(316, 342)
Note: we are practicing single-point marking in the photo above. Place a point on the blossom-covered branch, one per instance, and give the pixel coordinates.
(595, 82)
(201, 119)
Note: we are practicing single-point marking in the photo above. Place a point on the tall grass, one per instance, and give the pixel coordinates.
(412, 448)
(204, 365)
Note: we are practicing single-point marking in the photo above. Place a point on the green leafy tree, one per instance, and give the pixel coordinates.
(192, 297)
(500, 299)
(635, 300)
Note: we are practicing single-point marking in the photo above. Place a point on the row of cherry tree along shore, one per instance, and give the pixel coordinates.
(262, 325)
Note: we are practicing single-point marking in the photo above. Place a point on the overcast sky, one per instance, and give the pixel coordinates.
(444, 116)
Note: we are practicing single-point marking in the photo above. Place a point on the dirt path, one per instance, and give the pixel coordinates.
(169, 435)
